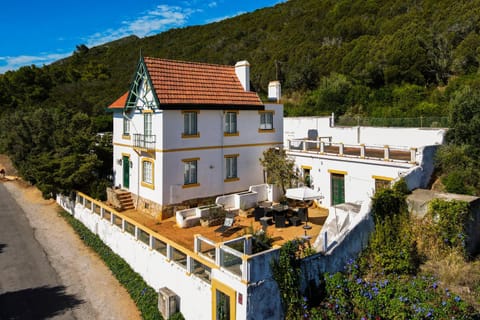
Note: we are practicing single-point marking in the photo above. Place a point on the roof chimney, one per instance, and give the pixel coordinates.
(274, 91)
(242, 69)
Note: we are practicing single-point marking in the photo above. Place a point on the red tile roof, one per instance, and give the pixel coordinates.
(120, 102)
(192, 83)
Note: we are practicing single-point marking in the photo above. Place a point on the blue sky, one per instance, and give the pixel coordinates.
(40, 32)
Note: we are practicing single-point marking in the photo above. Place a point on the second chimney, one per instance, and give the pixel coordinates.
(242, 69)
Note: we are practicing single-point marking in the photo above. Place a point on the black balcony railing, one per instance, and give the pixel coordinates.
(144, 141)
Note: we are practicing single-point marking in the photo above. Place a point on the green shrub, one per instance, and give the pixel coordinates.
(449, 220)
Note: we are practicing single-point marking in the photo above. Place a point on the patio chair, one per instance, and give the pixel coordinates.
(258, 213)
(227, 224)
(280, 218)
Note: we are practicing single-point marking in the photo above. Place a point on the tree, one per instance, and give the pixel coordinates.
(279, 168)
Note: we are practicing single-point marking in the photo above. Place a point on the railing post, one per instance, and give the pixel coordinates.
(102, 211)
(304, 145)
(150, 241)
(362, 151)
(413, 155)
(322, 147)
(386, 153)
(245, 276)
(196, 244)
(340, 149)
(325, 241)
(318, 142)
(218, 255)
(189, 265)
(248, 244)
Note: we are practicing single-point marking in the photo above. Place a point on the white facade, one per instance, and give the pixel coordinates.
(210, 148)
(307, 141)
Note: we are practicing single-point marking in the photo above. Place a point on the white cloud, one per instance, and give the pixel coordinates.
(12, 63)
(212, 4)
(161, 18)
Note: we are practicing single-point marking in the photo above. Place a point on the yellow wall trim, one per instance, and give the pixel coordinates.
(246, 145)
(382, 178)
(306, 167)
(337, 171)
(189, 111)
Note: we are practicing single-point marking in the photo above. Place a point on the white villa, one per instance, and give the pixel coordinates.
(189, 131)
(187, 134)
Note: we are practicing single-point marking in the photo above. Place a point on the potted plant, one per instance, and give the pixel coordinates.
(214, 217)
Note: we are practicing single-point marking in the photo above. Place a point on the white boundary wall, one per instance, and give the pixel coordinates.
(155, 269)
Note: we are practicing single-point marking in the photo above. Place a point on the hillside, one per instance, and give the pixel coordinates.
(386, 58)
(375, 44)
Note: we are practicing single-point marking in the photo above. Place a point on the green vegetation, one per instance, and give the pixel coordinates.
(279, 168)
(375, 59)
(412, 269)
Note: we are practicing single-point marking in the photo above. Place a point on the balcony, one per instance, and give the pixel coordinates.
(144, 142)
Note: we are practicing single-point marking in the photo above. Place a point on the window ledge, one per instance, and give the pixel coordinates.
(231, 179)
(126, 136)
(232, 134)
(188, 136)
(148, 185)
(192, 185)
(266, 130)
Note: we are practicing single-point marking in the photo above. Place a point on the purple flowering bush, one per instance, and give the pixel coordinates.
(350, 296)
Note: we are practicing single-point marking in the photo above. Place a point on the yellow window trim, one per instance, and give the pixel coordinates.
(126, 155)
(147, 111)
(231, 179)
(266, 111)
(146, 184)
(382, 178)
(266, 130)
(231, 293)
(191, 185)
(189, 111)
(126, 137)
(306, 167)
(337, 171)
(236, 155)
(188, 136)
(190, 159)
(234, 134)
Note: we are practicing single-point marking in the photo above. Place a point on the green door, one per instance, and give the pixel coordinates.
(338, 188)
(126, 172)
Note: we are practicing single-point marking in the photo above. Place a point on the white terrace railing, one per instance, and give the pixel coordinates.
(233, 256)
(383, 153)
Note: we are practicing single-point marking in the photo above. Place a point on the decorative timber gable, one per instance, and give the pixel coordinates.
(142, 94)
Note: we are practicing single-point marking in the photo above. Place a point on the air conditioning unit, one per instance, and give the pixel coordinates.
(167, 302)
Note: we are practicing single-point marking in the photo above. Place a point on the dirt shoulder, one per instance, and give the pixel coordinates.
(82, 272)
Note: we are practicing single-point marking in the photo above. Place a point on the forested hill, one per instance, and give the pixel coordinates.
(391, 58)
(372, 43)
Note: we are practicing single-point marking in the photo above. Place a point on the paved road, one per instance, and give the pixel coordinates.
(29, 286)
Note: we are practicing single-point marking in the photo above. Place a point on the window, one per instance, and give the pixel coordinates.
(231, 122)
(147, 124)
(147, 172)
(231, 167)
(382, 182)
(190, 123)
(126, 127)
(266, 120)
(190, 172)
